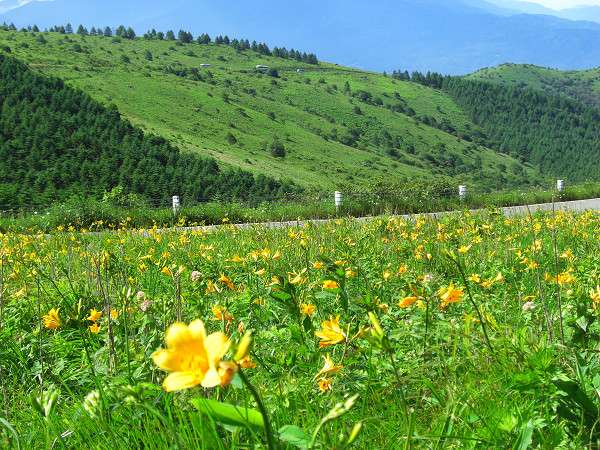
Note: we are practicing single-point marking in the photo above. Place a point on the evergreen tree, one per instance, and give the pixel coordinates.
(185, 37)
(204, 39)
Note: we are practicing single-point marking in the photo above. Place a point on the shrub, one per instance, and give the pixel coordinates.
(278, 149)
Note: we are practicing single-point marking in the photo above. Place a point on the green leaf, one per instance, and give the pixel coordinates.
(281, 296)
(229, 414)
(295, 436)
(307, 324)
(344, 300)
(508, 423)
(582, 322)
(323, 295)
(296, 333)
(525, 436)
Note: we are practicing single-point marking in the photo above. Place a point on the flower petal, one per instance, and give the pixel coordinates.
(211, 378)
(177, 381)
(167, 360)
(197, 330)
(216, 345)
(178, 335)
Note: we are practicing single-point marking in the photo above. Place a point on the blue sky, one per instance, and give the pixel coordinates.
(6, 5)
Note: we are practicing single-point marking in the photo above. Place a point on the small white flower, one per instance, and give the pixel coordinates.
(91, 404)
(196, 276)
(528, 306)
(146, 304)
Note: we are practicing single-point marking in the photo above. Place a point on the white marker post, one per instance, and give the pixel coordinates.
(338, 201)
(462, 192)
(560, 185)
(176, 205)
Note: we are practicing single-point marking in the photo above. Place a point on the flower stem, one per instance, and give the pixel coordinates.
(262, 409)
(479, 315)
(399, 381)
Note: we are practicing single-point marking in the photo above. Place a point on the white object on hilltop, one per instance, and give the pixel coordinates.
(262, 67)
(204, 65)
(337, 196)
(462, 191)
(560, 185)
(176, 204)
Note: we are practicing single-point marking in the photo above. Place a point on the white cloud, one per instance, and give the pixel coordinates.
(7, 5)
(562, 4)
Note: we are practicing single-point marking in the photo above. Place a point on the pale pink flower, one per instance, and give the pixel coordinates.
(195, 276)
(528, 306)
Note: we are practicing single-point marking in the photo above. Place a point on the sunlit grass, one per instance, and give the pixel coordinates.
(468, 331)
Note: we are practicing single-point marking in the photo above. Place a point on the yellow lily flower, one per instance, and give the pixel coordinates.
(328, 368)
(450, 294)
(94, 315)
(330, 284)
(307, 309)
(331, 333)
(193, 358)
(407, 302)
(324, 384)
(297, 278)
(227, 281)
(595, 295)
(52, 319)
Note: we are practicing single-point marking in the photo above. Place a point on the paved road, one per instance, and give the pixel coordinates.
(510, 211)
(575, 205)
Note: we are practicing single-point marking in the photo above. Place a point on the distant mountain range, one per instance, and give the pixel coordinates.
(449, 36)
(587, 13)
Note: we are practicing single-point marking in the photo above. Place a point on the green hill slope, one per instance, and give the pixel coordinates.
(555, 133)
(338, 127)
(582, 85)
(56, 142)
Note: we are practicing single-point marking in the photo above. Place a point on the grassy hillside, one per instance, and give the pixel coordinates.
(558, 134)
(338, 126)
(56, 142)
(583, 85)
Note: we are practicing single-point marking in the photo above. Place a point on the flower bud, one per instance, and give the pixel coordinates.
(243, 347)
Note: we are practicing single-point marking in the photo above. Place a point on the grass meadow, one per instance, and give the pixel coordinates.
(468, 331)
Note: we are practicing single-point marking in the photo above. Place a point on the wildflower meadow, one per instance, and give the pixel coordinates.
(463, 331)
